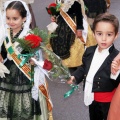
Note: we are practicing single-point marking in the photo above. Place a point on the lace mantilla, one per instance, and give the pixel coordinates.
(66, 5)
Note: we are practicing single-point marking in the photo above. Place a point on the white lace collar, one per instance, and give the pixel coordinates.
(66, 5)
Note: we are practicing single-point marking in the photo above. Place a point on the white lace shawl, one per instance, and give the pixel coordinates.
(2, 30)
(28, 17)
(66, 5)
(4, 26)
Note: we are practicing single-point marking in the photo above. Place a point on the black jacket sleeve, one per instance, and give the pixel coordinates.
(76, 9)
(80, 72)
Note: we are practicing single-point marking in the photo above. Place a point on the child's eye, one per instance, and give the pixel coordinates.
(99, 34)
(109, 34)
(7, 18)
(15, 18)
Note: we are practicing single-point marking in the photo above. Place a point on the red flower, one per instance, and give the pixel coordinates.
(34, 40)
(52, 5)
(49, 12)
(47, 65)
(52, 9)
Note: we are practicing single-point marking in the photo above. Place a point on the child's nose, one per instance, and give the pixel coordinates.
(104, 37)
(11, 21)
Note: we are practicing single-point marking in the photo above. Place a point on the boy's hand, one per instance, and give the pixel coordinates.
(115, 66)
(71, 80)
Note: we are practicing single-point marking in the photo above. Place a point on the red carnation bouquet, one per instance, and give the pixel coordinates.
(33, 40)
(30, 43)
(38, 39)
(53, 9)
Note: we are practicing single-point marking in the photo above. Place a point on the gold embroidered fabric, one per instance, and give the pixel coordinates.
(90, 38)
(108, 3)
(46, 94)
(75, 58)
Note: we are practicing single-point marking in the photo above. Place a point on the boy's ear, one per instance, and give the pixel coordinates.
(116, 36)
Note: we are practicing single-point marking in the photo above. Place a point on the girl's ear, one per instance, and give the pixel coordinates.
(24, 19)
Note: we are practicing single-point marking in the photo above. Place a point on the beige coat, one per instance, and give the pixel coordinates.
(114, 111)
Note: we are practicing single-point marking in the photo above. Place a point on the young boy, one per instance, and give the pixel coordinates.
(95, 70)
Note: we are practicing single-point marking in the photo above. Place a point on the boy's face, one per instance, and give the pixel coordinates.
(104, 34)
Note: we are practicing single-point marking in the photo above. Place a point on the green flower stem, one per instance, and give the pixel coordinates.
(32, 74)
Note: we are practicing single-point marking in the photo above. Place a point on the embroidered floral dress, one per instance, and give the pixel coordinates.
(16, 101)
(66, 45)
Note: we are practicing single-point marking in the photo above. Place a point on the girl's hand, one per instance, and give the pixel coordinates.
(31, 62)
(70, 81)
(79, 33)
(1, 58)
(53, 19)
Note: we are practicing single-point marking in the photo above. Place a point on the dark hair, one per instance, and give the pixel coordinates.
(107, 17)
(17, 5)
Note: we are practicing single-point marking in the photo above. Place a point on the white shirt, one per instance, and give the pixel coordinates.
(97, 61)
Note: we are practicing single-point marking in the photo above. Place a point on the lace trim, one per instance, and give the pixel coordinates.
(15, 91)
(68, 3)
(16, 115)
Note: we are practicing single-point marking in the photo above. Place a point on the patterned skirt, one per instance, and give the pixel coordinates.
(16, 102)
(64, 39)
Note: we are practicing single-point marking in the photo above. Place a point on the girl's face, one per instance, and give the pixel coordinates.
(14, 20)
(104, 34)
